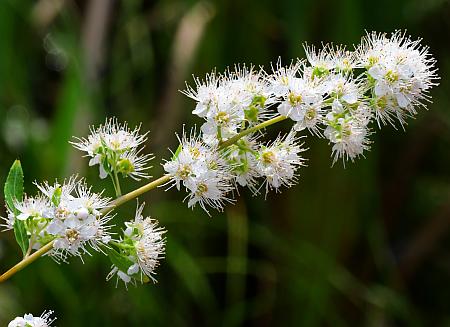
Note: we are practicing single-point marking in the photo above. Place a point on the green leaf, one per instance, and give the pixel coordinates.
(118, 260)
(14, 192)
(56, 197)
(123, 263)
(175, 155)
(14, 186)
(20, 232)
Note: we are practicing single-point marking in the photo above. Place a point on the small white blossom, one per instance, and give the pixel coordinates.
(303, 103)
(116, 149)
(348, 135)
(278, 162)
(241, 156)
(32, 207)
(202, 170)
(143, 245)
(283, 76)
(402, 73)
(28, 320)
(330, 57)
(68, 214)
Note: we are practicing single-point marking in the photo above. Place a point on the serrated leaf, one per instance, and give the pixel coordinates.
(14, 192)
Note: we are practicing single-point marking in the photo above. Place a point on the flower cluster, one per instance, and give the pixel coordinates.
(116, 149)
(231, 102)
(28, 320)
(400, 72)
(139, 251)
(335, 94)
(201, 169)
(210, 173)
(68, 214)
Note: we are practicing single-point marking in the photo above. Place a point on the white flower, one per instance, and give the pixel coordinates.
(208, 189)
(230, 102)
(348, 135)
(345, 89)
(330, 57)
(242, 160)
(223, 121)
(116, 149)
(70, 214)
(134, 164)
(402, 71)
(311, 118)
(279, 161)
(283, 76)
(206, 94)
(143, 247)
(202, 170)
(28, 320)
(189, 161)
(303, 104)
(78, 222)
(32, 207)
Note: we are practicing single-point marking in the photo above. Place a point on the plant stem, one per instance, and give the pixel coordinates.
(26, 261)
(134, 194)
(117, 183)
(30, 247)
(250, 130)
(121, 245)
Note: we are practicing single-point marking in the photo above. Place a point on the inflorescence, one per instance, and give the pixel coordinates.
(335, 94)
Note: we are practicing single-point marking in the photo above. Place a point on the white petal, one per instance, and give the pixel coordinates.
(124, 276)
(103, 173)
(134, 269)
(375, 72)
(23, 216)
(402, 100)
(284, 109)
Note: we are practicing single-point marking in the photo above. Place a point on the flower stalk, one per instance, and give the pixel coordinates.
(26, 261)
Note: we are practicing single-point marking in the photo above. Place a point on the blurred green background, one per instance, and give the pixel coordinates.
(368, 245)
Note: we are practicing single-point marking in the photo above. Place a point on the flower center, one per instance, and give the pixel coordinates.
(310, 114)
(222, 118)
(72, 235)
(391, 76)
(268, 157)
(202, 188)
(184, 171)
(61, 213)
(195, 152)
(294, 100)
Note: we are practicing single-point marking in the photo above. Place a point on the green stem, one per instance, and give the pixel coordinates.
(250, 130)
(134, 194)
(26, 261)
(121, 245)
(117, 183)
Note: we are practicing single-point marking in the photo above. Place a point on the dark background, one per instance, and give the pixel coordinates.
(368, 245)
